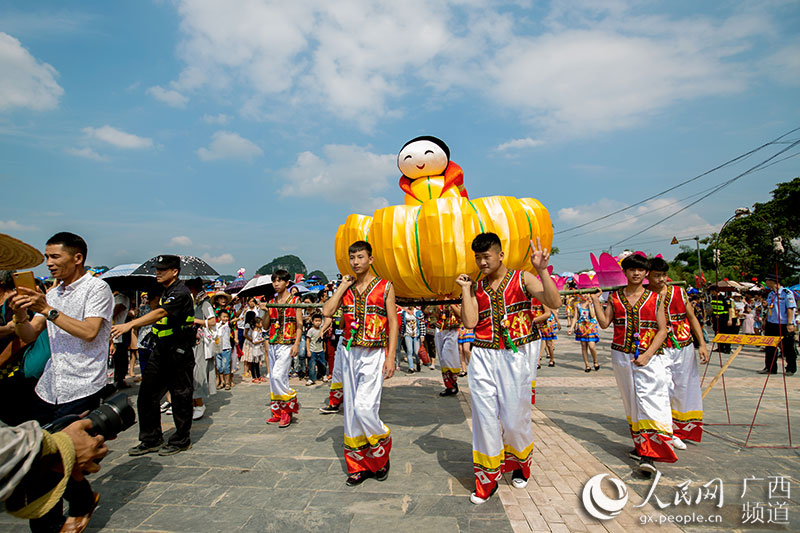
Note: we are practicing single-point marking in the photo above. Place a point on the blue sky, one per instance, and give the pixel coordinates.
(243, 133)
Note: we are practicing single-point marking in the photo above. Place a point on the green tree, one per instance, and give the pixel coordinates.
(746, 248)
(292, 263)
(320, 274)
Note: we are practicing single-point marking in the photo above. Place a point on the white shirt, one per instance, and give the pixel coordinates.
(224, 333)
(122, 316)
(77, 368)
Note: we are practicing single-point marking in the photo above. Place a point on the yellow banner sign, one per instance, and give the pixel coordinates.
(746, 340)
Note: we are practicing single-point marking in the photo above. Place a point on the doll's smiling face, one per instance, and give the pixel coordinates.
(422, 158)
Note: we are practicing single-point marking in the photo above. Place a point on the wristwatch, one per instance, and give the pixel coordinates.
(52, 315)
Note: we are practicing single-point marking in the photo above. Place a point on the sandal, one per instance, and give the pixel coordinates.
(551, 363)
(587, 369)
(597, 367)
(227, 387)
(76, 524)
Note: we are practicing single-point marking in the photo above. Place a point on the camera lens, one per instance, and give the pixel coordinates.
(113, 416)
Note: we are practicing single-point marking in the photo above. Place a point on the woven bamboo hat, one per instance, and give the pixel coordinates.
(15, 254)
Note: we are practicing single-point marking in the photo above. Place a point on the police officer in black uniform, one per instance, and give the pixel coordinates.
(170, 366)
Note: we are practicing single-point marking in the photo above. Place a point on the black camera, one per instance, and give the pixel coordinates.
(114, 415)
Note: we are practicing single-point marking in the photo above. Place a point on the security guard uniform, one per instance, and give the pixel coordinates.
(720, 312)
(169, 368)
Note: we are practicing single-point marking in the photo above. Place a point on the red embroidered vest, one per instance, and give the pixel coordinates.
(283, 322)
(369, 309)
(676, 318)
(510, 302)
(628, 319)
(447, 318)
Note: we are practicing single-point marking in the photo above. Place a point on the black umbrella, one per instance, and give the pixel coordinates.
(121, 278)
(191, 267)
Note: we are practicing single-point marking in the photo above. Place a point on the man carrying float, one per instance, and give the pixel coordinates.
(367, 302)
(499, 309)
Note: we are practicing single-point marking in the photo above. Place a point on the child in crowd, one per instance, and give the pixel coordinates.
(253, 348)
(222, 335)
(547, 330)
(314, 349)
(584, 324)
(465, 340)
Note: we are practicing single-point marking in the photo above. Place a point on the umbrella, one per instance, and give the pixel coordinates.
(121, 278)
(235, 286)
(191, 267)
(724, 286)
(259, 286)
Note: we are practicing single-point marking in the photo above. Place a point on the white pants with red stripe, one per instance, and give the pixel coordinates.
(502, 433)
(446, 341)
(684, 392)
(367, 442)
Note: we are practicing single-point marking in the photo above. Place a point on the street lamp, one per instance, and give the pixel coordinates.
(696, 239)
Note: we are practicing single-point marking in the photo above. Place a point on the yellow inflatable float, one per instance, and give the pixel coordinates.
(423, 245)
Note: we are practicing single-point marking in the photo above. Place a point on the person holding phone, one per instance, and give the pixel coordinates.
(77, 316)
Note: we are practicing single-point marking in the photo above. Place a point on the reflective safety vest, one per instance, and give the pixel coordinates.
(169, 325)
(718, 307)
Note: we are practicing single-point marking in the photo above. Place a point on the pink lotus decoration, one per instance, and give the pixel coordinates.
(586, 281)
(608, 269)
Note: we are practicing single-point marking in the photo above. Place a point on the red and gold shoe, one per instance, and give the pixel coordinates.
(274, 419)
(286, 419)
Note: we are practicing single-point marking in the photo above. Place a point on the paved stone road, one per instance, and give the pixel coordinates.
(244, 475)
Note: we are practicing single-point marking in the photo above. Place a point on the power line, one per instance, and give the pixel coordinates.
(723, 165)
(716, 189)
(635, 217)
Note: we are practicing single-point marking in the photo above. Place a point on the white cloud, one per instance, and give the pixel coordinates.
(626, 223)
(25, 82)
(592, 67)
(170, 97)
(13, 225)
(229, 145)
(118, 138)
(516, 144)
(88, 153)
(222, 259)
(220, 119)
(180, 240)
(334, 177)
(784, 64)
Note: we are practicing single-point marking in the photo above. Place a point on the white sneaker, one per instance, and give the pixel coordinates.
(198, 412)
(164, 406)
(309, 383)
(678, 444)
(476, 500)
(519, 483)
(168, 411)
(432, 367)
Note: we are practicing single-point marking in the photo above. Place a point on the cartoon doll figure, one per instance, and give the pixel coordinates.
(428, 172)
